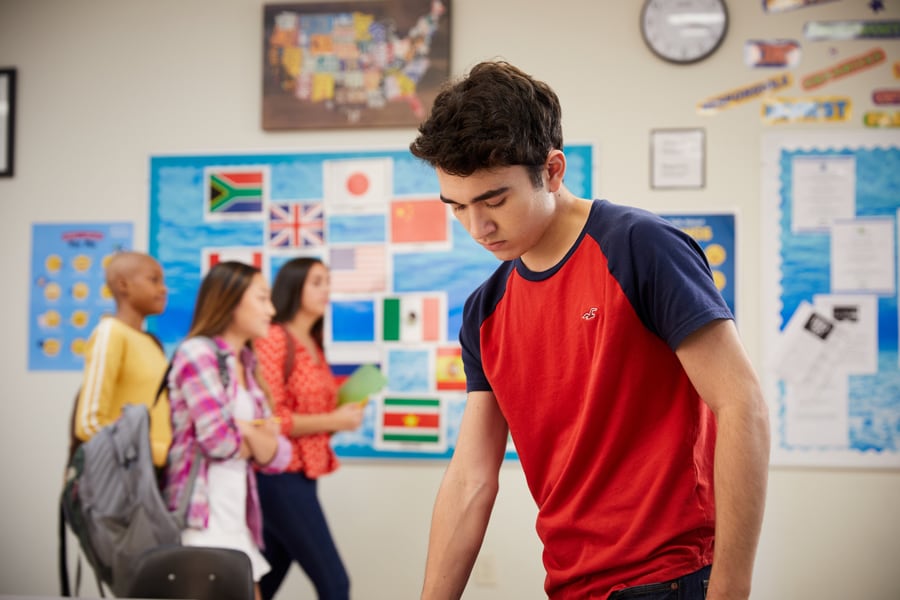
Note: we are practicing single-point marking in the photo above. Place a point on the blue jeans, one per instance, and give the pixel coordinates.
(689, 587)
(294, 528)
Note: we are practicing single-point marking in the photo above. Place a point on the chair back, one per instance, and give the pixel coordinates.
(194, 572)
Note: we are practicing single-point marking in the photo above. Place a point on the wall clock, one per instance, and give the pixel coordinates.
(684, 31)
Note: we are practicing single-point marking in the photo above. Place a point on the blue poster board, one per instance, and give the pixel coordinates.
(830, 310)
(374, 217)
(68, 289)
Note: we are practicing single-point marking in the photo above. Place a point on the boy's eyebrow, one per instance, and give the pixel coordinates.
(480, 197)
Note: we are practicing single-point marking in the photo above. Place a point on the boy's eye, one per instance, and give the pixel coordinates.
(496, 204)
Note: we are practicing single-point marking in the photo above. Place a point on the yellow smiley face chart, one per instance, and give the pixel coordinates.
(68, 292)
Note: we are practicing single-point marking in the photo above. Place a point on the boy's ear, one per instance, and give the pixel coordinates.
(556, 169)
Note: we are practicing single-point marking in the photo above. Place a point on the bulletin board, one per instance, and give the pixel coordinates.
(401, 269)
(831, 203)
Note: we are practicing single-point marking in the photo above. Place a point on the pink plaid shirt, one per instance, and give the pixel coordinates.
(203, 428)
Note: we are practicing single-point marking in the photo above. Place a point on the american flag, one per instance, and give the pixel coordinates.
(296, 225)
(357, 269)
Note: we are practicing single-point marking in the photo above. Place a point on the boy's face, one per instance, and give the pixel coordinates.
(146, 289)
(500, 208)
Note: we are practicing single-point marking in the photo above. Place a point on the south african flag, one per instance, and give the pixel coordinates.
(235, 191)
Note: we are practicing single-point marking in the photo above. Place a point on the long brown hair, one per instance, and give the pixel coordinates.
(219, 295)
(287, 293)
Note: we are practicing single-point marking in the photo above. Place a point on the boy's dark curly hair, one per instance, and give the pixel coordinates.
(496, 116)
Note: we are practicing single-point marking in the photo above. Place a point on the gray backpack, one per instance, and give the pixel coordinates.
(112, 502)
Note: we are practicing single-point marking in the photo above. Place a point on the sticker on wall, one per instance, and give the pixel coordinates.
(408, 370)
(886, 96)
(771, 53)
(296, 225)
(419, 221)
(882, 118)
(449, 370)
(250, 255)
(410, 422)
(358, 185)
(772, 6)
(843, 69)
(818, 31)
(351, 320)
(741, 95)
(358, 269)
(414, 318)
(234, 193)
(834, 109)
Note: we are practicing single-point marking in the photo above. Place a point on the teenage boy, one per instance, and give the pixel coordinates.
(602, 345)
(124, 364)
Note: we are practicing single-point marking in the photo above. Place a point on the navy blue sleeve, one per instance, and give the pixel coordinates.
(478, 307)
(662, 271)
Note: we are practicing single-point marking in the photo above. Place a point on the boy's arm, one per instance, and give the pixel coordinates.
(465, 498)
(95, 408)
(720, 370)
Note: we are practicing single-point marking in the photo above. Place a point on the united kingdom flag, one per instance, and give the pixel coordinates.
(296, 225)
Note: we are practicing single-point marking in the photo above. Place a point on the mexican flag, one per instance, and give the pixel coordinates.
(413, 420)
(412, 319)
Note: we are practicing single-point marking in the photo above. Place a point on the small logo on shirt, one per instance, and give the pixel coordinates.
(590, 314)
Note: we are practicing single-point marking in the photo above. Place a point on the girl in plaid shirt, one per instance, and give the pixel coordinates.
(225, 425)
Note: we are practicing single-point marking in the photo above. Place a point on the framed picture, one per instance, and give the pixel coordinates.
(7, 120)
(368, 63)
(677, 158)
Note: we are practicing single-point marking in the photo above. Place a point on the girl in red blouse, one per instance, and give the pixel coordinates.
(304, 398)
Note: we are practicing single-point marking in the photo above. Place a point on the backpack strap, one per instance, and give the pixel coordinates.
(181, 510)
(290, 353)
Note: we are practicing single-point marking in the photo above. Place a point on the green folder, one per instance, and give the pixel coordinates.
(363, 382)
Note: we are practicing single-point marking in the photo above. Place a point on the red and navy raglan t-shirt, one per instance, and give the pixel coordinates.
(615, 443)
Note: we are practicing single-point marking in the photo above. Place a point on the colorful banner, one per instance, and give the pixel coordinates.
(844, 68)
(771, 53)
(773, 6)
(743, 94)
(805, 110)
(833, 31)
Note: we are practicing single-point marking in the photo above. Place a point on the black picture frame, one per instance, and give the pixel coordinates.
(7, 121)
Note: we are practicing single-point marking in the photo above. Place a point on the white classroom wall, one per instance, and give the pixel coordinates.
(104, 84)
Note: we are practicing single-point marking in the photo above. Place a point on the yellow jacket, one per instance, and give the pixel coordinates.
(123, 366)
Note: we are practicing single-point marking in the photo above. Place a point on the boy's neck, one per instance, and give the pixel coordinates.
(571, 215)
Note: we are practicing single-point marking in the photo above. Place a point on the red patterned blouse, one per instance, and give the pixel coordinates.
(310, 389)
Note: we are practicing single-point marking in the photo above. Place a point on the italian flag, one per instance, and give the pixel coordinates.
(412, 319)
(415, 420)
